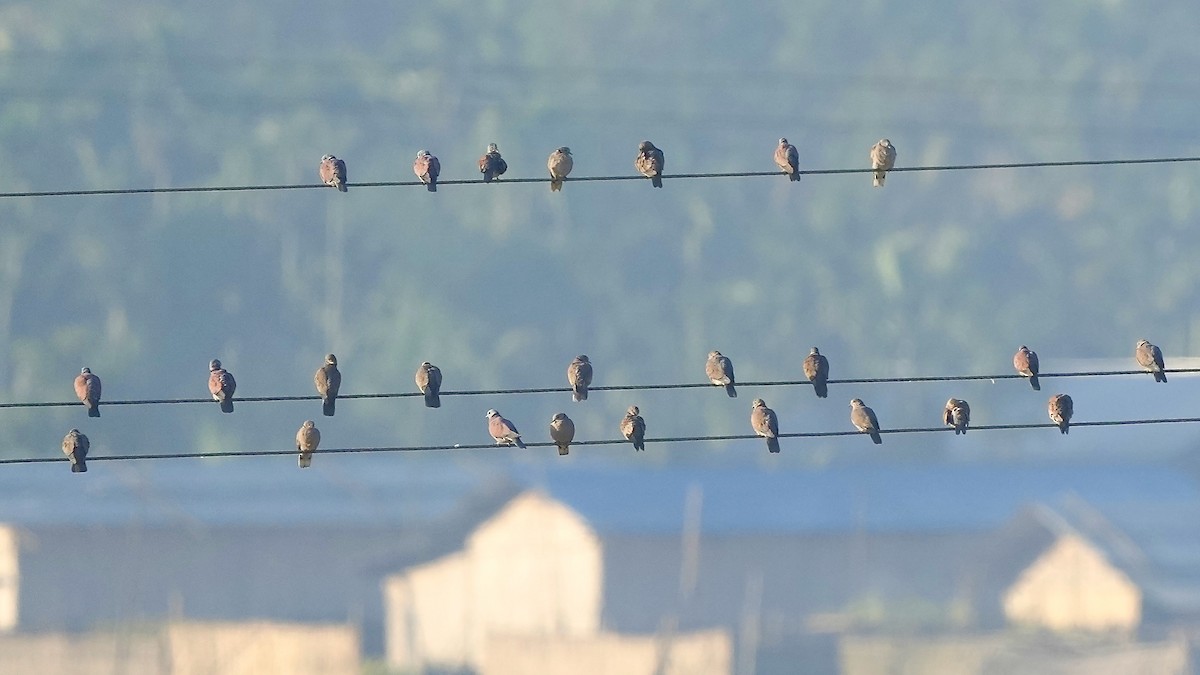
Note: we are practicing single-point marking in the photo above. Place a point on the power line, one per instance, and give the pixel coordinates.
(649, 441)
(581, 179)
(624, 387)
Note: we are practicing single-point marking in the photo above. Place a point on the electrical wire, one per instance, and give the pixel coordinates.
(626, 387)
(649, 441)
(581, 179)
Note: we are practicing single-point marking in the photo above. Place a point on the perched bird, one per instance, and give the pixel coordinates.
(562, 432)
(579, 375)
(957, 414)
(221, 385)
(76, 446)
(492, 165)
(560, 165)
(863, 419)
(787, 158)
(427, 167)
(87, 388)
(816, 369)
(1026, 363)
(333, 172)
(503, 431)
(633, 428)
(883, 158)
(650, 162)
(328, 380)
(429, 381)
(765, 424)
(1061, 408)
(720, 372)
(1148, 356)
(307, 440)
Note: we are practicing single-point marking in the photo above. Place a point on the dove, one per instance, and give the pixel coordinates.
(720, 372)
(787, 158)
(650, 162)
(1061, 407)
(1148, 357)
(560, 164)
(816, 369)
(765, 424)
(1026, 363)
(579, 375)
(562, 432)
(87, 388)
(333, 172)
(427, 167)
(221, 385)
(863, 419)
(492, 165)
(76, 446)
(307, 440)
(957, 414)
(883, 158)
(503, 431)
(429, 381)
(328, 380)
(633, 428)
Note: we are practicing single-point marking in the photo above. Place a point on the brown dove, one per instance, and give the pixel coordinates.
(503, 431)
(492, 165)
(427, 167)
(562, 432)
(328, 380)
(579, 375)
(87, 388)
(883, 158)
(1061, 408)
(429, 381)
(650, 162)
(816, 369)
(560, 165)
(76, 446)
(765, 424)
(957, 414)
(633, 428)
(720, 372)
(307, 440)
(1026, 363)
(221, 385)
(787, 158)
(333, 172)
(1148, 357)
(863, 419)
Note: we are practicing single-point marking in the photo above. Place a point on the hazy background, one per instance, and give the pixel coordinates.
(937, 273)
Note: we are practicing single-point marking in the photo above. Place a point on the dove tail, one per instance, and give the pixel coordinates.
(341, 187)
(432, 186)
(328, 405)
(656, 181)
(579, 394)
(639, 444)
(821, 389)
(432, 399)
(94, 409)
(519, 442)
(564, 449)
(1064, 428)
(227, 405)
(773, 444)
(878, 182)
(1033, 382)
(305, 460)
(794, 176)
(79, 466)
(555, 185)
(875, 438)
(1159, 376)
(730, 390)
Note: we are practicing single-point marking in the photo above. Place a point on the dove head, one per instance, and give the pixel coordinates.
(558, 417)
(73, 432)
(85, 371)
(565, 150)
(714, 354)
(309, 424)
(492, 147)
(582, 358)
(885, 143)
(1143, 343)
(855, 402)
(330, 359)
(215, 364)
(426, 364)
(1022, 348)
(758, 403)
(328, 158)
(491, 413)
(422, 154)
(633, 410)
(814, 351)
(783, 141)
(645, 146)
